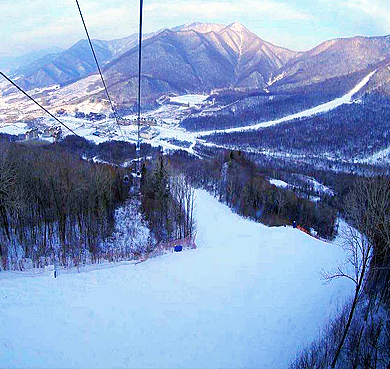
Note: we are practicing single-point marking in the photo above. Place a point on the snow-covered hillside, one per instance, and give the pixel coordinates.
(248, 296)
(323, 108)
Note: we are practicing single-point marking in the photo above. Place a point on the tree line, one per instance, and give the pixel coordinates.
(113, 151)
(237, 181)
(167, 199)
(55, 207)
(58, 208)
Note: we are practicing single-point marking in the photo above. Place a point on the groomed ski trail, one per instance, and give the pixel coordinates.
(249, 296)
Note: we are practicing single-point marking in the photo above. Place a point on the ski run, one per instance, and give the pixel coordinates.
(248, 296)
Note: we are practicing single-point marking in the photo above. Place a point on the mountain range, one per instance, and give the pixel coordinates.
(202, 57)
(10, 64)
(72, 64)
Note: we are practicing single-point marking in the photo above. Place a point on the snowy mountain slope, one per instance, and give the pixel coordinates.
(248, 296)
(11, 64)
(73, 64)
(333, 59)
(330, 105)
(192, 61)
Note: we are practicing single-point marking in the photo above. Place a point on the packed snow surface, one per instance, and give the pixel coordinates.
(279, 183)
(382, 156)
(248, 296)
(189, 99)
(14, 129)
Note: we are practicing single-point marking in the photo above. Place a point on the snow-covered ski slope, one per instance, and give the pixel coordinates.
(323, 108)
(248, 296)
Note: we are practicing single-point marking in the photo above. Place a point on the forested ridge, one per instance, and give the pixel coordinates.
(249, 108)
(351, 131)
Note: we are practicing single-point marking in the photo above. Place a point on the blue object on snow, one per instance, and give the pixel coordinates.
(178, 248)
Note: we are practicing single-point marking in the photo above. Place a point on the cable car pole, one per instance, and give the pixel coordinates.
(138, 149)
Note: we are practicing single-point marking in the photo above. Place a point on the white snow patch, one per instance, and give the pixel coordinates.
(382, 156)
(14, 129)
(189, 99)
(279, 183)
(276, 78)
(318, 187)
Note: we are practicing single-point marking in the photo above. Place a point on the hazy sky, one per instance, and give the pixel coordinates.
(29, 25)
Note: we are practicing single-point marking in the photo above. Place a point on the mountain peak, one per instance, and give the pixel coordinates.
(200, 27)
(237, 27)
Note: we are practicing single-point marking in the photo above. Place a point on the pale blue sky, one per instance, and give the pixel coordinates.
(29, 25)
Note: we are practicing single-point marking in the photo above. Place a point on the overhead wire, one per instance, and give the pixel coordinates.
(31, 98)
(104, 84)
(138, 149)
(98, 66)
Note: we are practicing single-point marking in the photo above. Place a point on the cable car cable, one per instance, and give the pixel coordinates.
(25, 93)
(97, 63)
(138, 149)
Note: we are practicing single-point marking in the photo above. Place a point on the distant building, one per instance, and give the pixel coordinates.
(11, 118)
(32, 134)
(148, 122)
(148, 133)
(144, 121)
(79, 115)
(46, 132)
(95, 117)
(124, 121)
(55, 132)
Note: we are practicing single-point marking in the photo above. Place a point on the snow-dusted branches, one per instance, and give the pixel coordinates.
(358, 250)
(131, 235)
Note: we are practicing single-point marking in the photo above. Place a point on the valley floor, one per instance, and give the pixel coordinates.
(248, 296)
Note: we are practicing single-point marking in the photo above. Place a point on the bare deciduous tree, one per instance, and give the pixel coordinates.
(359, 251)
(367, 242)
